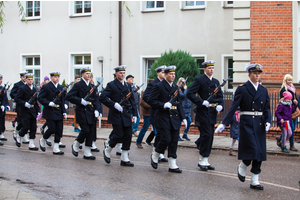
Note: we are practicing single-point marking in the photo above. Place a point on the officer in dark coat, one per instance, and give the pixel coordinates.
(119, 115)
(53, 112)
(3, 105)
(27, 99)
(160, 77)
(168, 116)
(255, 120)
(206, 112)
(86, 112)
(13, 94)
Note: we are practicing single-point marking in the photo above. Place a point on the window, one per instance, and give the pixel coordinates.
(151, 6)
(227, 70)
(32, 64)
(187, 5)
(32, 9)
(80, 8)
(227, 4)
(80, 61)
(149, 63)
(230, 72)
(199, 63)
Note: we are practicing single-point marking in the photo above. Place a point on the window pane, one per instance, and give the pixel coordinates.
(148, 70)
(29, 61)
(78, 60)
(36, 8)
(78, 7)
(200, 3)
(199, 63)
(87, 6)
(150, 4)
(37, 77)
(87, 59)
(76, 72)
(230, 73)
(230, 2)
(37, 61)
(159, 4)
(29, 8)
(29, 70)
(189, 3)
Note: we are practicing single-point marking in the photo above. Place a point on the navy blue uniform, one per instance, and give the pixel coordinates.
(114, 92)
(85, 115)
(3, 102)
(53, 115)
(13, 94)
(29, 115)
(166, 121)
(206, 118)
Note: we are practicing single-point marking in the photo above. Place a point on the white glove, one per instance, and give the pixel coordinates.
(100, 115)
(205, 103)
(220, 128)
(66, 106)
(2, 108)
(134, 119)
(219, 108)
(185, 123)
(27, 105)
(268, 125)
(83, 102)
(65, 114)
(118, 107)
(51, 104)
(168, 105)
(8, 107)
(96, 113)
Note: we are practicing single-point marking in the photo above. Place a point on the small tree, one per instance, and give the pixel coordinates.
(186, 65)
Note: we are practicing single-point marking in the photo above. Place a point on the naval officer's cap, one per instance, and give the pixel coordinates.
(29, 75)
(85, 69)
(92, 74)
(254, 67)
(23, 73)
(54, 74)
(1, 76)
(120, 68)
(171, 68)
(208, 63)
(159, 69)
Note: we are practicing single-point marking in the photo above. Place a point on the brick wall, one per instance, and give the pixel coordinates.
(271, 39)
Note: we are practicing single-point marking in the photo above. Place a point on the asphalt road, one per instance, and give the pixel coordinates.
(49, 176)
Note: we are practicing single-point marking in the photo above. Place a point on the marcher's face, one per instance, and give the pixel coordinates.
(170, 76)
(161, 75)
(130, 80)
(29, 81)
(0, 81)
(55, 79)
(92, 80)
(86, 76)
(289, 82)
(23, 78)
(120, 75)
(254, 76)
(209, 71)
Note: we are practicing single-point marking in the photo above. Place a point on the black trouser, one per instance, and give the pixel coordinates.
(157, 138)
(121, 134)
(2, 123)
(86, 133)
(44, 125)
(54, 127)
(168, 139)
(95, 130)
(207, 137)
(28, 124)
(19, 120)
(255, 165)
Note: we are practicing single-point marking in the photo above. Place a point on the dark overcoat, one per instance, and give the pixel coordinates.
(14, 91)
(114, 92)
(165, 118)
(47, 94)
(252, 142)
(146, 98)
(24, 94)
(204, 87)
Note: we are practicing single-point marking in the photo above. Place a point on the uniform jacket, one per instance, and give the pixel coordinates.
(24, 94)
(14, 91)
(165, 118)
(84, 114)
(47, 94)
(114, 92)
(146, 98)
(252, 142)
(3, 100)
(204, 87)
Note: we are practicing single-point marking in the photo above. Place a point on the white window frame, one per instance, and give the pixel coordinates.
(72, 66)
(144, 9)
(195, 7)
(23, 3)
(73, 14)
(24, 67)
(143, 64)
(198, 56)
(225, 4)
(225, 58)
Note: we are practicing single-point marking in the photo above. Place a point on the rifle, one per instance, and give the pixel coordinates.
(91, 91)
(3, 89)
(129, 94)
(32, 98)
(61, 93)
(210, 98)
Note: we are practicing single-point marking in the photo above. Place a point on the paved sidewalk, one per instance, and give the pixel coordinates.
(9, 191)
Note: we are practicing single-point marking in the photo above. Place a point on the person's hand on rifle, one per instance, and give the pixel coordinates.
(27, 105)
(205, 103)
(51, 104)
(168, 105)
(118, 107)
(83, 102)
